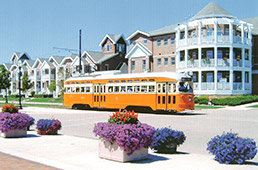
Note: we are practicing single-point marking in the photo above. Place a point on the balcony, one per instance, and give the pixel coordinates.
(237, 63)
(196, 86)
(192, 41)
(46, 77)
(223, 62)
(237, 39)
(247, 63)
(207, 39)
(181, 42)
(223, 39)
(237, 86)
(247, 86)
(194, 63)
(223, 86)
(207, 86)
(181, 64)
(208, 63)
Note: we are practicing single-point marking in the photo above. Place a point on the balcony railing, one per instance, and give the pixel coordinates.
(237, 39)
(196, 86)
(247, 63)
(208, 63)
(181, 64)
(181, 42)
(223, 39)
(207, 86)
(223, 63)
(194, 63)
(192, 41)
(237, 86)
(223, 86)
(46, 77)
(207, 39)
(237, 63)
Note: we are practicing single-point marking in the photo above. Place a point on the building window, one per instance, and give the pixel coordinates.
(159, 62)
(107, 48)
(172, 40)
(173, 61)
(194, 55)
(165, 41)
(246, 77)
(143, 64)
(227, 32)
(195, 77)
(133, 65)
(145, 42)
(219, 55)
(165, 61)
(158, 42)
(210, 77)
(134, 42)
(219, 32)
(194, 35)
(210, 54)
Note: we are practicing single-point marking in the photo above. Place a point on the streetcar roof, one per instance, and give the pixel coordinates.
(172, 75)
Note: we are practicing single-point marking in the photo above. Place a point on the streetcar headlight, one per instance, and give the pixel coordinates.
(190, 100)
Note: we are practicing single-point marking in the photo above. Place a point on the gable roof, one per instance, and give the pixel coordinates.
(7, 66)
(41, 60)
(138, 32)
(57, 59)
(107, 57)
(29, 62)
(212, 10)
(140, 46)
(113, 38)
(95, 55)
(254, 21)
(48, 63)
(165, 30)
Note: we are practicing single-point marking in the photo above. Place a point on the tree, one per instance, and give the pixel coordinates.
(4, 80)
(26, 83)
(52, 87)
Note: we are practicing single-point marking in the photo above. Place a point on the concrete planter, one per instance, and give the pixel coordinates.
(117, 153)
(14, 133)
(171, 148)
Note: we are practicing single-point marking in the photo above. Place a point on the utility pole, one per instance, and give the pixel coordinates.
(80, 58)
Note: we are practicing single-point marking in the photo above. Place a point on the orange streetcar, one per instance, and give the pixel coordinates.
(167, 91)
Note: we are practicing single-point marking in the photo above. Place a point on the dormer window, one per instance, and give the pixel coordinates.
(108, 40)
(107, 48)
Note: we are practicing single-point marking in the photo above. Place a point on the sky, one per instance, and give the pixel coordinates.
(37, 26)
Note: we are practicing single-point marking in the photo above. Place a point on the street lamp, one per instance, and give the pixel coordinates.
(19, 84)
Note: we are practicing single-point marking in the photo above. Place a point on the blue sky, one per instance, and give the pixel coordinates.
(36, 26)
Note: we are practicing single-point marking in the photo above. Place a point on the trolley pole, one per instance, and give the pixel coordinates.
(80, 58)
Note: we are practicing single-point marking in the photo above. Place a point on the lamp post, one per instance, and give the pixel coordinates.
(19, 84)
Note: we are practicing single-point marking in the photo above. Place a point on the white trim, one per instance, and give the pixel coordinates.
(141, 47)
(137, 32)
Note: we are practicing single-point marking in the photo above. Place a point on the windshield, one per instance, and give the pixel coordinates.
(185, 87)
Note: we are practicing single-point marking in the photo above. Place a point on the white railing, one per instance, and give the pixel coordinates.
(247, 86)
(181, 42)
(208, 63)
(207, 39)
(223, 86)
(207, 86)
(237, 39)
(247, 63)
(247, 41)
(194, 63)
(181, 64)
(223, 63)
(196, 86)
(192, 41)
(223, 39)
(46, 77)
(237, 86)
(237, 63)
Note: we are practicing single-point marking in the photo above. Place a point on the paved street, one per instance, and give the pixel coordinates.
(199, 126)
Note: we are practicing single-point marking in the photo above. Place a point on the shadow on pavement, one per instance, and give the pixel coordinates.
(151, 158)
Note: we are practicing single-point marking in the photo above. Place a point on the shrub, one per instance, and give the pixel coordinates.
(10, 108)
(124, 118)
(131, 137)
(230, 148)
(166, 136)
(32, 93)
(48, 126)
(8, 121)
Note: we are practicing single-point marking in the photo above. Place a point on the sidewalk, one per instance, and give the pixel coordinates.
(75, 153)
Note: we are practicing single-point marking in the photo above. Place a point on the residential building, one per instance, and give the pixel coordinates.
(213, 46)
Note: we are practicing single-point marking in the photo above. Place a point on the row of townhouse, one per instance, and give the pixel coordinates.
(216, 48)
(44, 71)
(219, 50)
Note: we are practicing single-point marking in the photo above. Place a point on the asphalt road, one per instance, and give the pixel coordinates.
(199, 126)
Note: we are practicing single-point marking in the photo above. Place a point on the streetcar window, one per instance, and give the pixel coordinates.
(94, 98)
(97, 98)
(169, 99)
(68, 90)
(151, 88)
(174, 87)
(151, 80)
(144, 89)
(123, 81)
(97, 89)
(110, 89)
(116, 89)
(130, 88)
(68, 83)
(170, 90)
(144, 80)
(104, 89)
(136, 80)
(83, 82)
(104, 98)
(117, 81)
(73, 82)
(73, 89)
(164, 99)
(123, 88)
(101, 89)
(88, 82)
(82, 89)
(110, 81)
(77, 89)
(159, 88)
(164, 88)
(101, 98)
(87, 89)
(174, 99)
(129, 81)
(77, 82)
(136, 89)
(158, 99)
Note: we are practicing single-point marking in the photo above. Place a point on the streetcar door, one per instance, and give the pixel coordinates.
(162, 96)
(99, 96)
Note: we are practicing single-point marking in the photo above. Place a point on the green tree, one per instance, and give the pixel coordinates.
(52, 87)
(4, 80)
(26, 83)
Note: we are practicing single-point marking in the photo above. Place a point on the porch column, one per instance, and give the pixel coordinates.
(243, 57)
(243, 80)
(231, 32)
(250, 57)
(200, 80)
(216, 79)
(242, 33)
(200, 56)
(186, 57)
(177, 61)
(250, 80)
(186, 34)
(249, 37)
(231, 79)
(215, 31)
(215, 56)
(231, 56)
(35, 80)
(57, 79)
(199, 32)
(177, 35)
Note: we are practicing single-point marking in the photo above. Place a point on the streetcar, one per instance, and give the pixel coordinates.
(166, 91)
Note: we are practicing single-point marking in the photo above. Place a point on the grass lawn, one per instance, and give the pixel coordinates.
(10, 99)
(207, 107)
(255, 106)
(46, 100)
(40, 105)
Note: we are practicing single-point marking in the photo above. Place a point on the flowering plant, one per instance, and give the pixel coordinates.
(225, 58)
(131, 137)
(238, 58)
(124, 118)
(10, 108)
(166, 136)
(207, 58)
(230, 148)
(191, 59)
(48, 126)
(8, 121)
